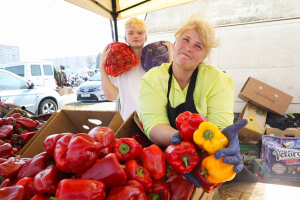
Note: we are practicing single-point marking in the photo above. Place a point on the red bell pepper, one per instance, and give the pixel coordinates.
(18, 128)
(47, 180)
(8, 121)
(138, 173)
(35, 165)
(76, 153)
(159, 190)
(205, 185)
(26, 122)
(127, 148)
(25, 137)
(5, 131)
(11, 167)
(187, 123)
(180, 188)
(183, 157)
(27, 183)
(12, 193)
(1, 122)
(111, 174)
(16, 115)
(50, 142)
(131, 190)
(5, 183)
(6, 150)
(105, 137)
(41, 197)
(141, 139)
(153, 160)
(80, 189)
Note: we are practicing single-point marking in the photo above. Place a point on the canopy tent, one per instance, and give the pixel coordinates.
(120, 9)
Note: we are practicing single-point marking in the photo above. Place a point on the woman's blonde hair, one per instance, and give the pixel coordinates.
(205, 29)
(138, 24)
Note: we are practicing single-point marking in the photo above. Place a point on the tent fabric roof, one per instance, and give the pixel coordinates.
(125, 8)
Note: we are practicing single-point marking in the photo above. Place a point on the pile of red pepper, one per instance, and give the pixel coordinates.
(99, 166)
(15, 132)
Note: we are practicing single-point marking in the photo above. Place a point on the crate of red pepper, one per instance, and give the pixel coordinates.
(16, 129)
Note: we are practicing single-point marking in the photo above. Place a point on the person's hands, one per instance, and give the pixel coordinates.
(104, 57)
(232, 152)
(170, 49)
(176, 139)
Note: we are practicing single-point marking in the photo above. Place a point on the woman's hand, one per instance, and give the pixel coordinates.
(104, 57)
(170, 49)
(232, 152)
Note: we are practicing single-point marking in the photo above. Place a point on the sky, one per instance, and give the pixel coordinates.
(53, 28)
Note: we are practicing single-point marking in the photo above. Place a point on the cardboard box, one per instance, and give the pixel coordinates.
(131, 125)
(63, 91)
(5, 108)
(288, 132)
(263, 176)
(265, 96)
(281, 157)
(249, 153)
(253, 131)
(74, 121)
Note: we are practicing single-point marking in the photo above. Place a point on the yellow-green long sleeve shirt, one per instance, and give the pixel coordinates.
(213, 96)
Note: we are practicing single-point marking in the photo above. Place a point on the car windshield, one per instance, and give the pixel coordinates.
(96, 77)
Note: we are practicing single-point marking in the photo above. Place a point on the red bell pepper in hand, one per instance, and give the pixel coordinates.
(187, 123)
(47, 180)
(80, 189)
(205, 184)
(50, 142)
(131, 190)
(127, 148)
(105, 137)
(11, 167)
(180, 188)
(12, 193)
(35, 165)
(159, 190)
(76, 153)
(111, 174)
(25, 137)
(27, 183)
(183, 157)
(153, 159)
(141, 139)
(138, 173)
(5, 131)
(26, 122)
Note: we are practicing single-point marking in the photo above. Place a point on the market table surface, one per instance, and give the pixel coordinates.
(257, 191)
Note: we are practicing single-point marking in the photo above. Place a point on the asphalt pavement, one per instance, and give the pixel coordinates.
(70, 102)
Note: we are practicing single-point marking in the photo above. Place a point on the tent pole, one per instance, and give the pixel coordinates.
(115, 16)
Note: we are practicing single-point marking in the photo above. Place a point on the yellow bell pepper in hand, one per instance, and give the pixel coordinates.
(216, 171)
(209, 138)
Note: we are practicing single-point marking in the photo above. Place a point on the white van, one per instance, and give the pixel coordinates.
(41, 73)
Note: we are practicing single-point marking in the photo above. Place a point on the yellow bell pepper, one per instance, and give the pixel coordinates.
(216, 171)
(209, 138)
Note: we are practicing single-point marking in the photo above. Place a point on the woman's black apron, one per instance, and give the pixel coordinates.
(188, 105)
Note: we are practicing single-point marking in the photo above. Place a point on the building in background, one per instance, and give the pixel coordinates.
(9, 54)
(75, 62)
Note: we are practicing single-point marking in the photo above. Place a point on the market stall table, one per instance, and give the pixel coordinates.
(257, 191)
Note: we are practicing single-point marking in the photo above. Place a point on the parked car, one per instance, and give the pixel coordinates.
(91, 90)
(41, 73)
(38, 100)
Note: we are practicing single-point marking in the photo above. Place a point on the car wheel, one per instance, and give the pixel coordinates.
(47, 106)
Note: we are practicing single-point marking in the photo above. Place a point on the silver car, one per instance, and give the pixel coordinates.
(91, 90)
(38, 100)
